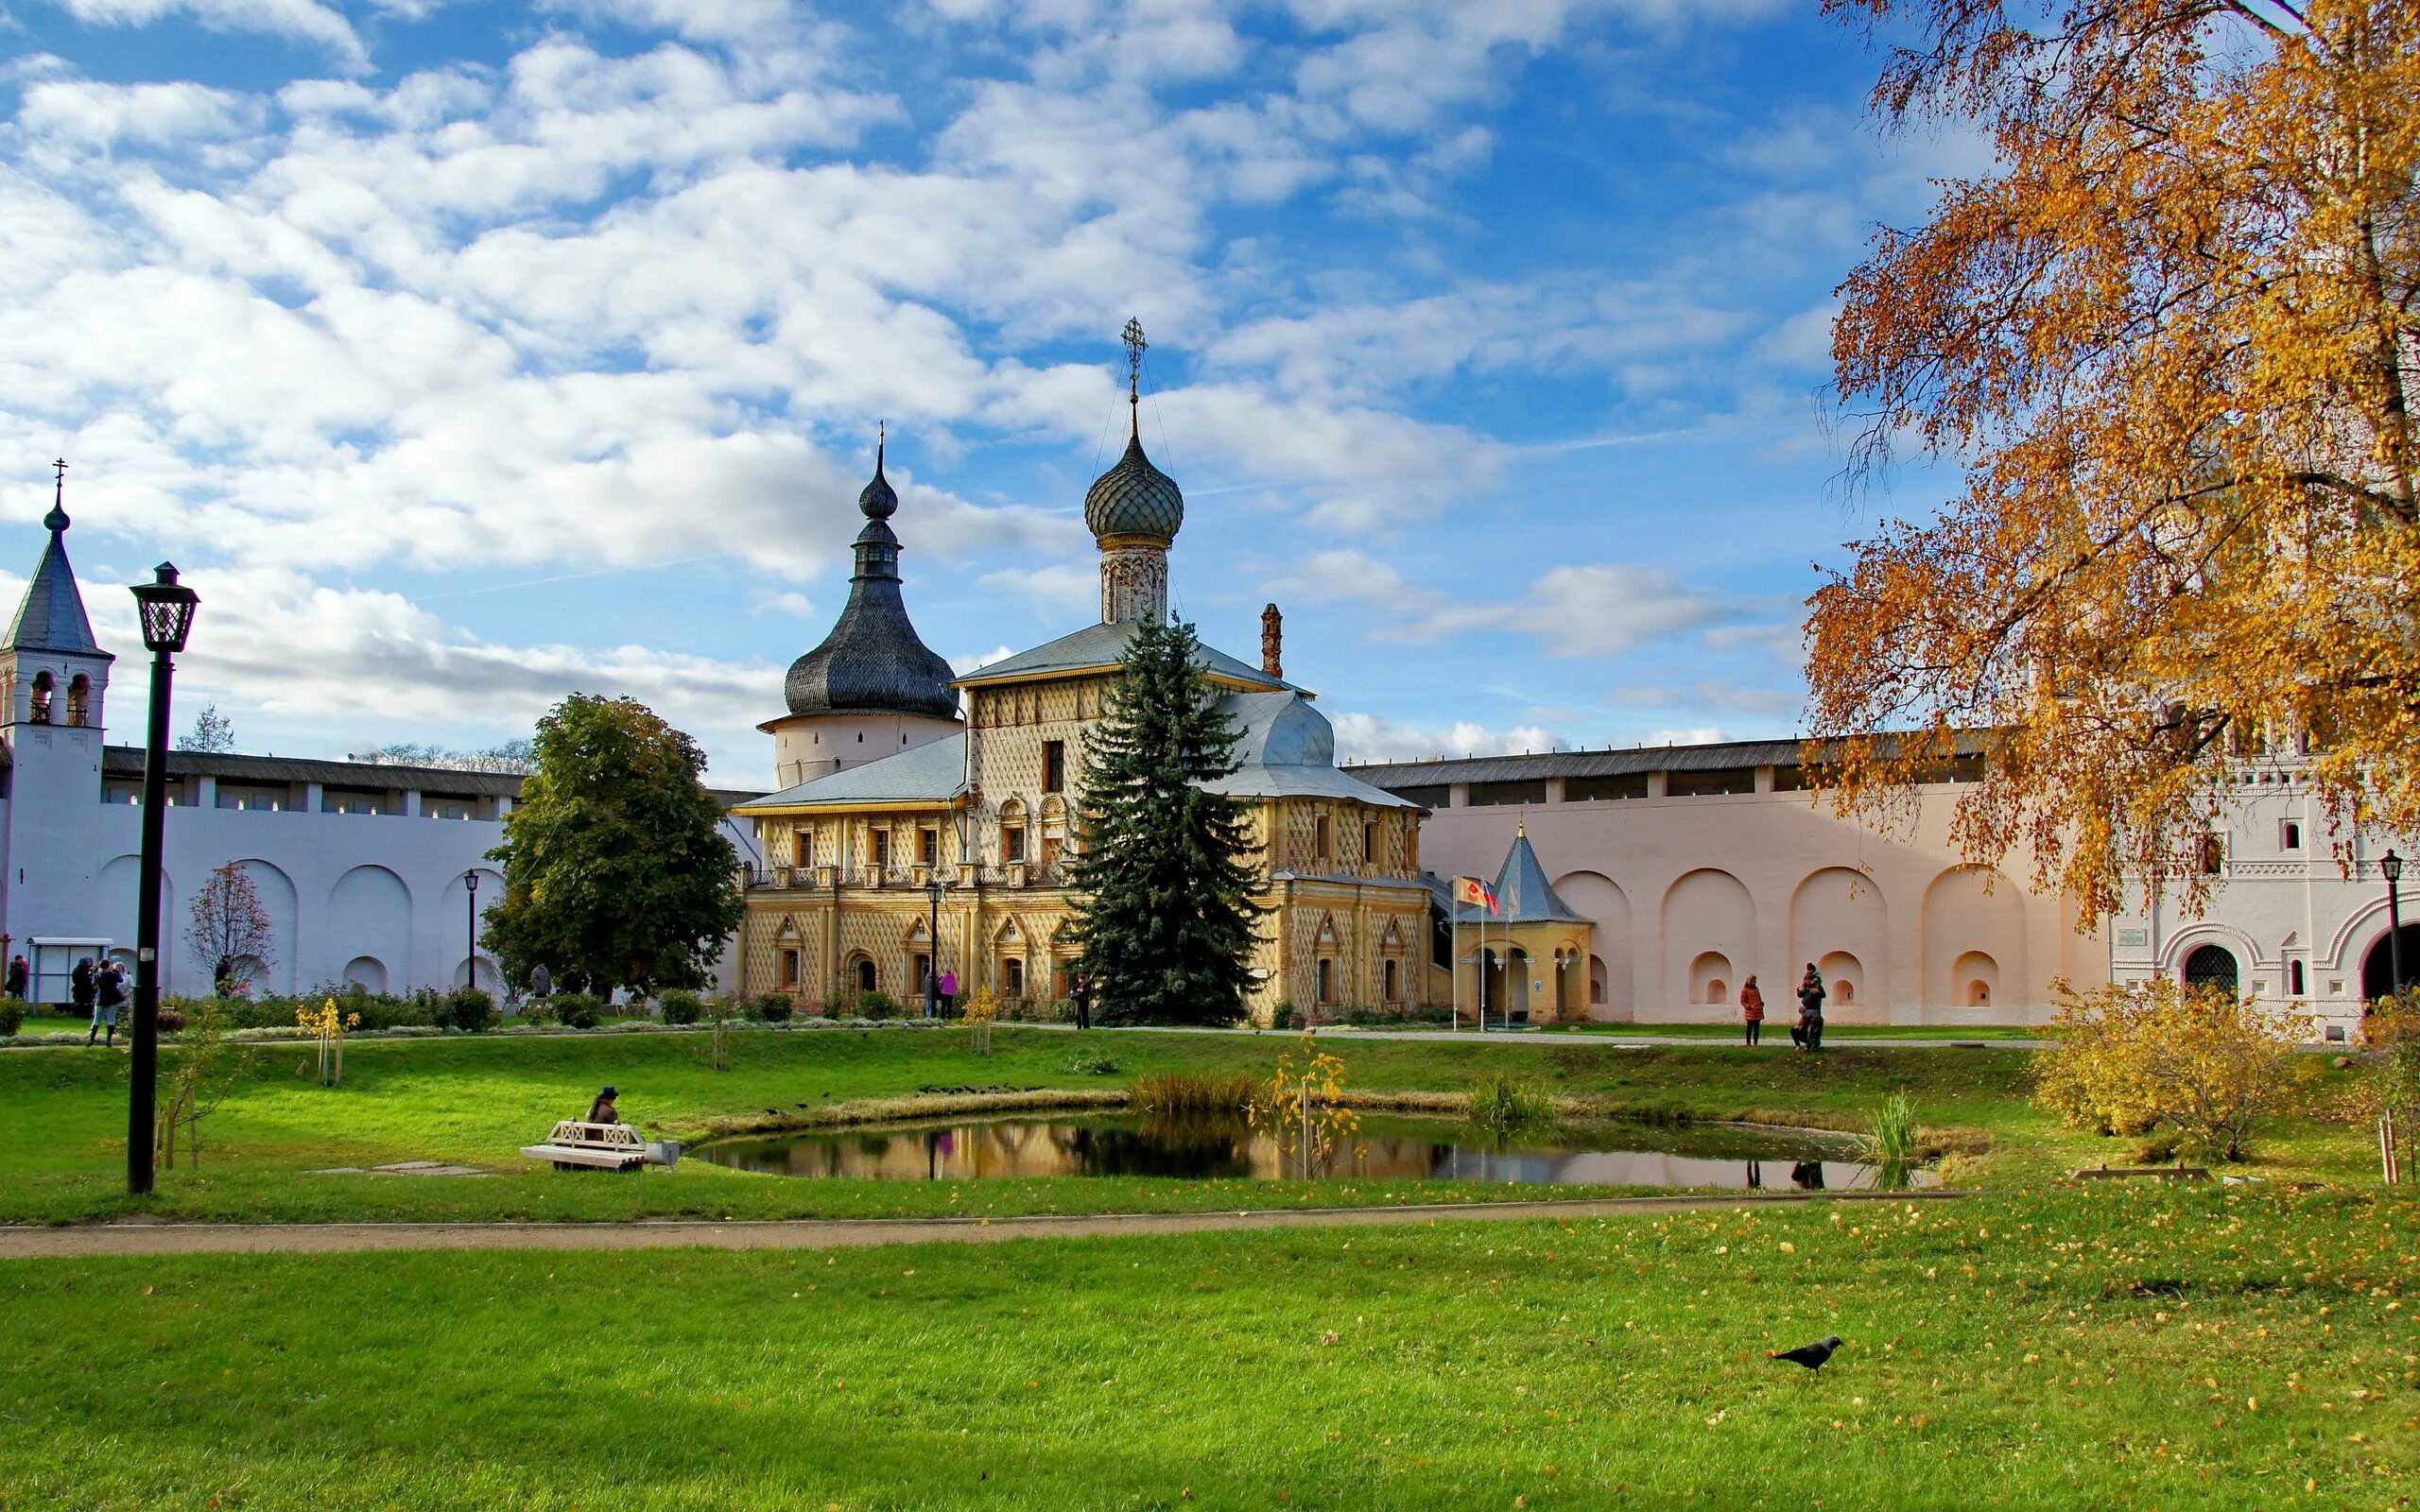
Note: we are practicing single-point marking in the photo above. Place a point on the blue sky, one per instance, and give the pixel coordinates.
(466, 353)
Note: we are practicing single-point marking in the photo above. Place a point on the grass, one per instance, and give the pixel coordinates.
(477, 1100)
(2125, 1346)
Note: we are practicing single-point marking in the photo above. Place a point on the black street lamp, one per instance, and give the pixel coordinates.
(933, 887)
(2391, 868)
(166, 608)
(470, 950)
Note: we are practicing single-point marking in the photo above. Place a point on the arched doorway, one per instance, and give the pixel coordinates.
(2212, 967)
(2377, 968)
(1517, 986)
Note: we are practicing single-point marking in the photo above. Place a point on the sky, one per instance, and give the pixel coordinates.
(467, 353)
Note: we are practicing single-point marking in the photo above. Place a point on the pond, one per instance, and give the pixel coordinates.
(1594, 1153)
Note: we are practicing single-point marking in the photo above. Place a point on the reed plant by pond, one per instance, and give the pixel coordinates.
(1892, 1146)
(1502, 1101)
(1190, 1095)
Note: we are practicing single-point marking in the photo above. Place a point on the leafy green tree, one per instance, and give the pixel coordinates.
(613, 861)
(1166, 907)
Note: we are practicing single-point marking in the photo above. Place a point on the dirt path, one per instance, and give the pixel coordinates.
(851, 1233)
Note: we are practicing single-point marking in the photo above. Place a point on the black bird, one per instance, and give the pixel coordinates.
(1810, 1355)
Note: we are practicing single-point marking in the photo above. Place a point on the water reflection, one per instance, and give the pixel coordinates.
(1566, 1154)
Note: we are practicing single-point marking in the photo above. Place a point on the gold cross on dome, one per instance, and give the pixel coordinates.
(1132, 336)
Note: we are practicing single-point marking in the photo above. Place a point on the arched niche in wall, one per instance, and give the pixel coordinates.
(1839, 921)
(1707, 910)
(1973, 910)
(1612, 975)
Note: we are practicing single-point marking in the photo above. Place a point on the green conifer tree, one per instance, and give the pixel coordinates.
(1166, 907)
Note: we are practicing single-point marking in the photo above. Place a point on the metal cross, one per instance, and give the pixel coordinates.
(1132, 336)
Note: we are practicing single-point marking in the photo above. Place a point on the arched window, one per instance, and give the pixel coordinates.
(2212, 967)
(2294, 979)
(80, 701)
(868, 980)
(1394, 982)
(41, 710)
(1013, 976)
(1327, 980)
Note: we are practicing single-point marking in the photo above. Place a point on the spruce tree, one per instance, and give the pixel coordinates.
(1165, 909)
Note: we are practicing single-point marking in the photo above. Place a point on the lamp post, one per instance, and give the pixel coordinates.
(471, 951)
(2391, 868)
(933, 958)
(166, 608)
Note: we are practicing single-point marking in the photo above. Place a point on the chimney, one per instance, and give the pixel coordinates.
(1272, 634)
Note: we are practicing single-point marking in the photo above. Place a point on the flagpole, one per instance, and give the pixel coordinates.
(1455, 955)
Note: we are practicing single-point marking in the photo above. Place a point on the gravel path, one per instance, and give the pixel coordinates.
(138, 1238)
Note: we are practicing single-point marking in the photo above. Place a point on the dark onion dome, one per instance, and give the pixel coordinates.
(873, 661)
(1134, 499)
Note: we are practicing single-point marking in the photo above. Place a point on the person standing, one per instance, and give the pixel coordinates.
(1081, 989)
(17, 973)
(81, 986)
(1752, 1009)
(949, 993)
(109, 996)
(1810, 1033)
(541, 982)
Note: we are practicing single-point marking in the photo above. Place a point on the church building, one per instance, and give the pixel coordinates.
(915, 839)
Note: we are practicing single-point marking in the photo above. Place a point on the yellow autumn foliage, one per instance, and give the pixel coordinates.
(2170, 334)
(2200, 1066)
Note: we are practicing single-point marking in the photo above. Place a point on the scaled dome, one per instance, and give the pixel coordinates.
(1134, 499)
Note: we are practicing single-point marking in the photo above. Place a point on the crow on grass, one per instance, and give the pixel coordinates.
(1810, 1355)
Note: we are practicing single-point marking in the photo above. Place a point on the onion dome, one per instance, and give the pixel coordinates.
(873, 661)
(1134, 499)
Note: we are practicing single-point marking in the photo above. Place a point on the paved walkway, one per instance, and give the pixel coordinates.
(850, 1233)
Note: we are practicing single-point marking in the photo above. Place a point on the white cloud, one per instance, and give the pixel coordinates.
(303, 21)
(1361, 737)
(1595, 611)
(377, 657)
(1053, 588)
(93, 115)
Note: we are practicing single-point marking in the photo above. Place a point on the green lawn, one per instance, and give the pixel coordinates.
(2120, 1347)
(477, 1100)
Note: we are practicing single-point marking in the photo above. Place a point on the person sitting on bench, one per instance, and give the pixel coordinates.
(602, 1111)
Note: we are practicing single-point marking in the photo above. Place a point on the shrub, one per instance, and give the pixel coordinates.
(537, 1010)
(578, 1010)
(773, 1008)
(1501, 1101)
(170, 1019)
(877, 1005)
(1085, 1064)
(1178, 1094)
(681, 1007)
(470, 1010)
(1282, 1016)
(12, 1016)
(2202, 1066)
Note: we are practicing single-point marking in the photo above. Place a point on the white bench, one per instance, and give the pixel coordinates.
(577, 1145)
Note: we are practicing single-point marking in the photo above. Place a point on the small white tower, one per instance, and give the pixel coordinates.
(53, 677)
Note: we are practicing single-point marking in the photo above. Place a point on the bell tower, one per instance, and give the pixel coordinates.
(52, 674)
(53, 677)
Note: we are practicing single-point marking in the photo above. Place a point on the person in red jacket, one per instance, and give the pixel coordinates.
(1752, 1009)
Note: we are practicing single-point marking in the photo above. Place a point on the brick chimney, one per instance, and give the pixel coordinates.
(1272, 634)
